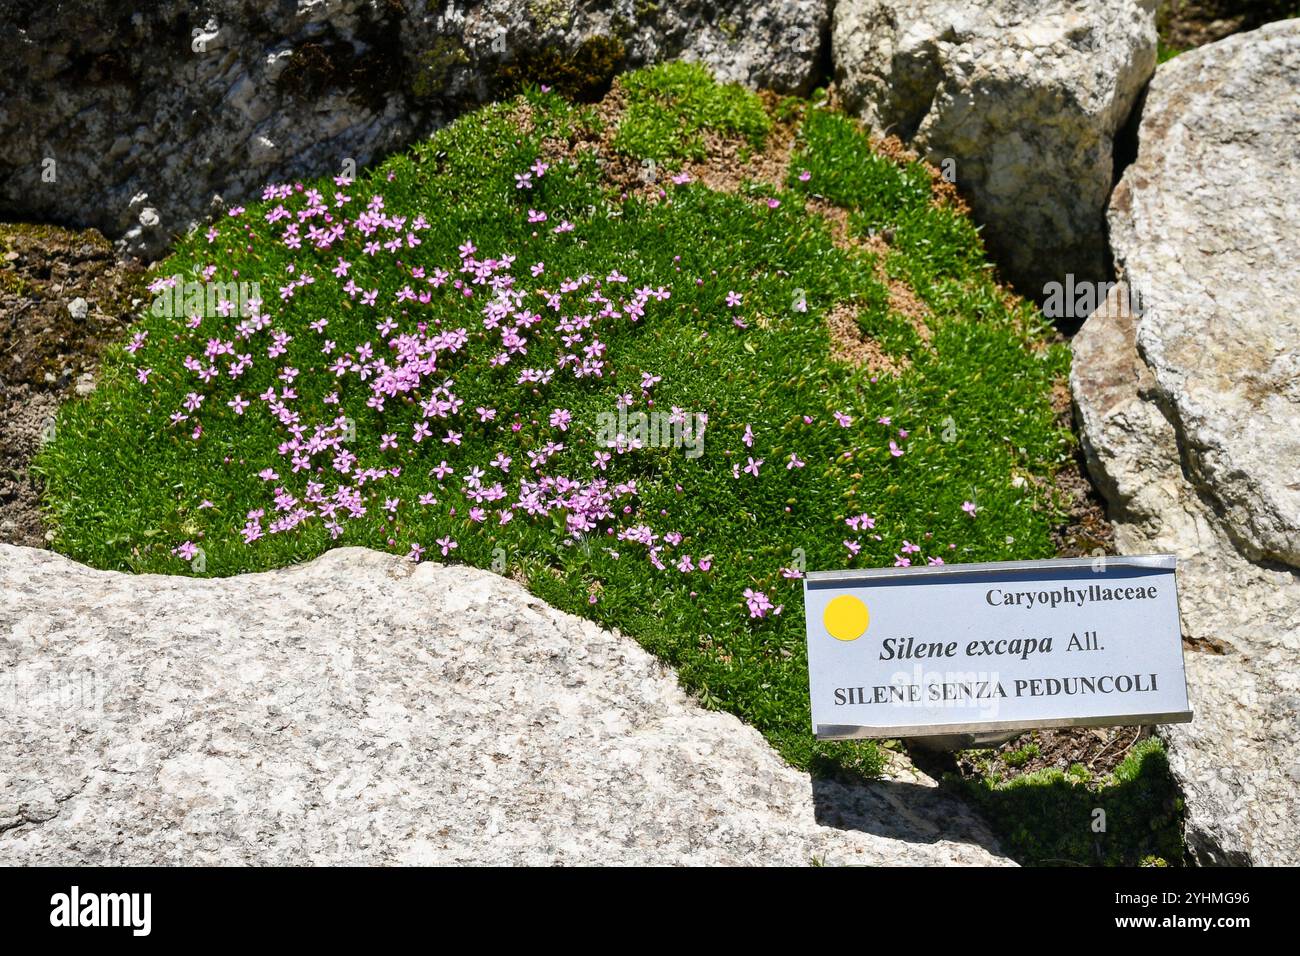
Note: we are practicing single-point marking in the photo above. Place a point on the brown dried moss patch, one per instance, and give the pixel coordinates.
(849, 344)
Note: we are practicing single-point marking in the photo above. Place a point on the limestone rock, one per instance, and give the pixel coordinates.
(177, 102)
(1026, 96)
(1190, 418)
(360, 709)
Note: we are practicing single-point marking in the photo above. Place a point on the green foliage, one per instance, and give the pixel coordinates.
(670, 106)
(1049, 817)
(1018, 758)
(125, 487)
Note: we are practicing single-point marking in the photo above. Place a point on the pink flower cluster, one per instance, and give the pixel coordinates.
(539, 328)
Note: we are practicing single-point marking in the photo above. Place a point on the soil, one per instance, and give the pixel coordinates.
(1190, 23)
(47, 354)
(1085, 530)
(850, 344)
(1097, 749)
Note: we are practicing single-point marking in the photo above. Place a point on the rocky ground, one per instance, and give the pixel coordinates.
(64, 296)
(363, 710)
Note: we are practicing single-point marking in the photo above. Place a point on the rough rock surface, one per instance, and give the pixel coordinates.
(1026, 96)
(360, 709)
(1190, 414)
(142, 122)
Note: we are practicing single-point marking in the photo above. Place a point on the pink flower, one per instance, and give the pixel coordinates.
(794, 462)
(895, 450)
(758, 603)
(859, 522)
(968, 507)
(844, 420)
(447, 545)
(753, 466)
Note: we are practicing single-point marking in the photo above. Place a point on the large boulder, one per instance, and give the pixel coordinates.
(141, 123)
(1187, 387)
(361, 709)
(1025, 97)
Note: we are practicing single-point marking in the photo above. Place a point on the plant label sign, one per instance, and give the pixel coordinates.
(1010, 645)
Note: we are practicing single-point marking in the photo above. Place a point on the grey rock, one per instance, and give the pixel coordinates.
(181, 103)
(1190, 420)
(1203, 224)
(361, 709)
(1026, 96)
(79, 308)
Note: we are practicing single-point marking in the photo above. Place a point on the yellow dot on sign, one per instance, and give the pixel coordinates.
(846, 618)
